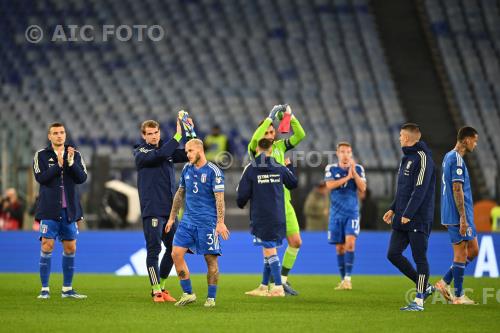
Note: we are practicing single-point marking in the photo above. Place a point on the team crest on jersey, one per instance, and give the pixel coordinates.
(154, 222)
(408, 165)
(204, 178)
(218, 180)
(44, 229)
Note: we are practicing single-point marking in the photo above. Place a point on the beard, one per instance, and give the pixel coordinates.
(196, 158)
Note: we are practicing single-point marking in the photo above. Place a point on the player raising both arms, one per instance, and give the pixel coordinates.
(279, 148)
(344, 179)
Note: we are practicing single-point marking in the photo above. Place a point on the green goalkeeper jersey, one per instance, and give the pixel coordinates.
(280, 147)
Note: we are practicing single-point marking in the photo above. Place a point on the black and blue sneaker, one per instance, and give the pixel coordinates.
(72, 294)
(413, 306)
(44, 294)
(289, 291)
(429, 291)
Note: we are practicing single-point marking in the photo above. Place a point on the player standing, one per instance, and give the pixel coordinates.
(344, 179)
(202, 186)
(263, 182)
(457, 214)
(279, 148)
(412, 212)
(154, 160)
(58, 168)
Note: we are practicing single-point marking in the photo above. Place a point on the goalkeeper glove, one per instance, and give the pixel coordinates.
(276, 109)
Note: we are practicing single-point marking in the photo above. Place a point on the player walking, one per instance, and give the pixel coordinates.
(457, 214)
(412, 212)
(202, 187)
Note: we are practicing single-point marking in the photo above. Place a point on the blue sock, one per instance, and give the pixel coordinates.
(458, 277)
(45, 260)
(448, 277)
(186, 286)
(341, 261)
(68, 267)
(349, 261)
(212, 290)
(274, 264)
(267, 272)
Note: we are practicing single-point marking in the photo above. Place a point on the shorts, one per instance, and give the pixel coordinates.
(454, 232)
(267, 244)
(339, 228)
(197, 239)
(62, 230)
(292, 224)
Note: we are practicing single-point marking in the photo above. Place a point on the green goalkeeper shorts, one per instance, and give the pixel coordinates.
(292, 224)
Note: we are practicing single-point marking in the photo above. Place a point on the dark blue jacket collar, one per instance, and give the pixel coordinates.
(420, 145)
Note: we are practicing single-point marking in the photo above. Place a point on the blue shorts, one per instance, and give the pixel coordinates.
(267, 244)
(454, 232)
(339, 228)
(62, 230)
(198, 240)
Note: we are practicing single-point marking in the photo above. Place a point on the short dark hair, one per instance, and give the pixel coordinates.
(55, 125)
(466, 132)
(411, 127)
(265, 144)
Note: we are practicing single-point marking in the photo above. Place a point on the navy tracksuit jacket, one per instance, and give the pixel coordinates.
(262, 183)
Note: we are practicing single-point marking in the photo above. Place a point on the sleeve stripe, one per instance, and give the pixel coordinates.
(36, 167)
(459, 159)
(423, 163)
(215, 169)
(83, 163)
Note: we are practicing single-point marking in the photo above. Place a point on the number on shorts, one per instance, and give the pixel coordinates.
(210, 239)
(355, 225)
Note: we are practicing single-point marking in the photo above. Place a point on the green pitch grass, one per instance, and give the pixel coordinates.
(122, 304)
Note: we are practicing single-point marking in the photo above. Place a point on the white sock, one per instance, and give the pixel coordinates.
(45, 289)
(64, 289)
(347, 278)
(419, 301)
(283, 279)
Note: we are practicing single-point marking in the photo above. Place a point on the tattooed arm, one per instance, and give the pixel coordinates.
(221, 228)
(458, 195)
(176, 206)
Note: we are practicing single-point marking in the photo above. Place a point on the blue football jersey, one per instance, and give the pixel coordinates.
(455, 170)
(343, 200)
(200, 186)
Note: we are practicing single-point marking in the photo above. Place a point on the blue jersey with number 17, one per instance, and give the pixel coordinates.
(455, 170)
(200, 187)
(343, 200)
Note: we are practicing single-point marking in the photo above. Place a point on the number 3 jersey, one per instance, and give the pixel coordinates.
(200, 187)
(455, 170)
(343, 200)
